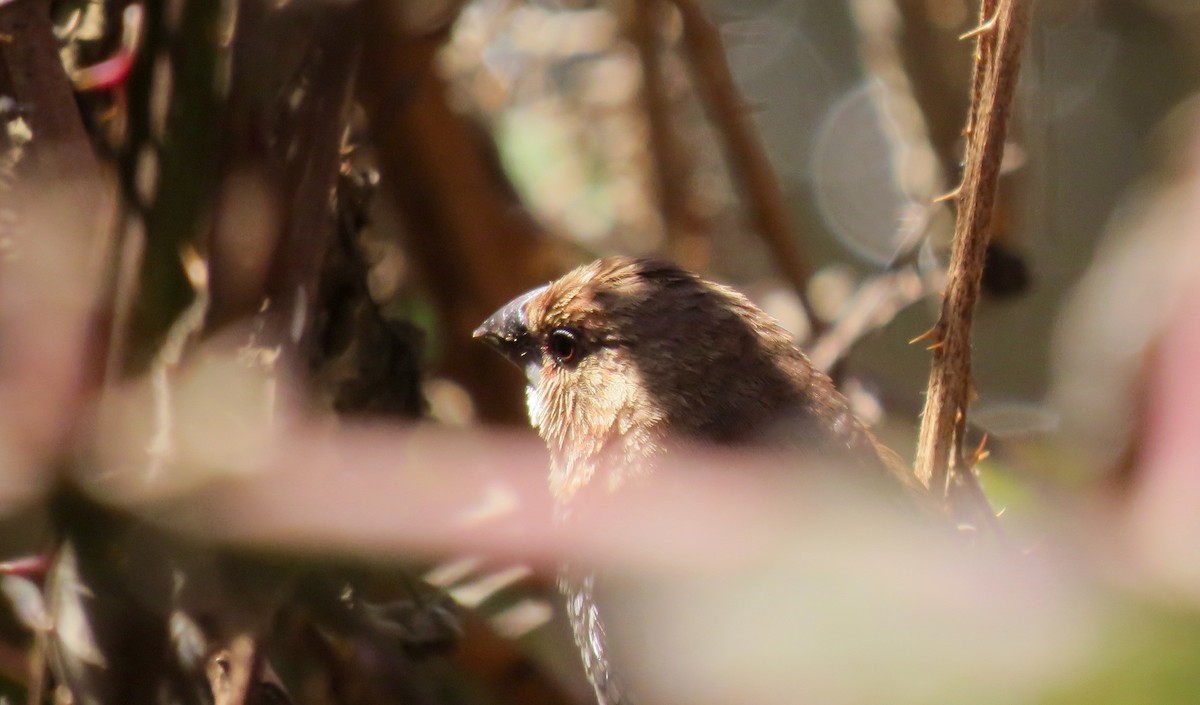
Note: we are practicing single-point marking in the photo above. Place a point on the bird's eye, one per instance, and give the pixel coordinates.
(564, 345)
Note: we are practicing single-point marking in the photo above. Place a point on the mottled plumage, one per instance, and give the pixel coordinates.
(624, 355)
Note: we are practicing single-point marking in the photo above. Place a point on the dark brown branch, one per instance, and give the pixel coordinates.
(744, 150)
(950, 378)
(290, 101)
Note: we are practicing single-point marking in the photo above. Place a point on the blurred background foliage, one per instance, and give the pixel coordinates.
(221, 217)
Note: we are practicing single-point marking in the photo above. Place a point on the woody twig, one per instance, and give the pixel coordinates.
(1000, 38)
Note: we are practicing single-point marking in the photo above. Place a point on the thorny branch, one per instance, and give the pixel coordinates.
(985, 49)
(997, 67)
(744, 150)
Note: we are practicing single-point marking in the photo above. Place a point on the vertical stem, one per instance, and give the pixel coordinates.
(950, 378)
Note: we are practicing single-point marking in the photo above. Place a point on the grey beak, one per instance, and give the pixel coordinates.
(507, 331)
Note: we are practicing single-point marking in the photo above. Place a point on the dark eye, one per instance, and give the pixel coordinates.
(564, 345)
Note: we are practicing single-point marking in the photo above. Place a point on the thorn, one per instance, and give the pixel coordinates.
(949, 196)
(981, 453)
(924, 336)
(936, 346)
(981, 29)
(1001, 512)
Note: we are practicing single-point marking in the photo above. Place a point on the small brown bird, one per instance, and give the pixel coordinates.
(624, 355)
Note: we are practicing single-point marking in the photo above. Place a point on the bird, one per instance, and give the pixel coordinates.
(628, 357)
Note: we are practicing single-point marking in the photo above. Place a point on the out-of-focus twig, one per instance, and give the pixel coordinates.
(301, 105)
(680, 221)
(879, 25)
(933, 60)
(875, 303)
(950, 379)
(168, 164)
(744, 149)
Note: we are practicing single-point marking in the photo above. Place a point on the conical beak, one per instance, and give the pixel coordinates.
(507, 331)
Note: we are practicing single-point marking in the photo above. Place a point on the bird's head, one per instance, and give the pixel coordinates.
(623, 354)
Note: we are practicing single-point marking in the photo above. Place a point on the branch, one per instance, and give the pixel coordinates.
(684, 227)
(645, 36)
(985, 49)
(998, 63)
(744, 150)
